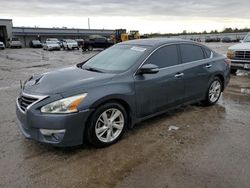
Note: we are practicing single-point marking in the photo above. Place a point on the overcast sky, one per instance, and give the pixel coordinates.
(144, 15)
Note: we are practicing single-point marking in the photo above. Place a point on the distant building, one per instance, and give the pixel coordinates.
(26, 34)
(5, 29)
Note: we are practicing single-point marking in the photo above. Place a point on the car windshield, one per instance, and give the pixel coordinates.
(247, 39)
(52, 39)
(118, 58)
(70, 41)
(51, 42)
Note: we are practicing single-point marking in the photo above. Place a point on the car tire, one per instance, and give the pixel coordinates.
(90, 48)
(233, 71)
(101, 131)
(213, 92)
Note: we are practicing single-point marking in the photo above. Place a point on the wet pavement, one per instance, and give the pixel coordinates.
(210, 148)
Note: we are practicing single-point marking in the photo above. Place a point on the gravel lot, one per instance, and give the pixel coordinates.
(211, 148)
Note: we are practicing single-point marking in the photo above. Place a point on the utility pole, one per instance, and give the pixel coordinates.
(89, 23)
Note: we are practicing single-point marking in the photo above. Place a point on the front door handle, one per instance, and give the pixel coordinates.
(178, 75)
(208, 66)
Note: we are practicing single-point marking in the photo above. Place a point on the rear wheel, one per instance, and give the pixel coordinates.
(107, 125)
(90, 48)
(213, 92)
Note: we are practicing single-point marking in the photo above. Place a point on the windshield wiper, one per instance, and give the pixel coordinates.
(92, 69)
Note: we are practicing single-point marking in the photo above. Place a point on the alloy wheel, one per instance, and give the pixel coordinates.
(214, 91)
(109, 125)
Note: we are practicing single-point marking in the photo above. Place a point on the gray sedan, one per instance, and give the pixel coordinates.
(97, 100)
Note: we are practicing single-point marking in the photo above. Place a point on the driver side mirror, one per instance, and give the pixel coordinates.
(148, 69)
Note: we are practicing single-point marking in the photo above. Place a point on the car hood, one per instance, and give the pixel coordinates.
(241, 46)
(64, 80)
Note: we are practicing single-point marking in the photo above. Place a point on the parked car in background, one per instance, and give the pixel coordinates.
(55, 40)
(61, 43)
(208, 39)
(212, 39)
(14, 43)
(36, 44)
(51, 45)
(198, 39)
(240, 55)
(226, 40)
(97, 100)
(2, 46)
(80, 42)
(96, 41)
(69, 44)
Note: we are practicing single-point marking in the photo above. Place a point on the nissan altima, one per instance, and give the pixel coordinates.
(97, 100)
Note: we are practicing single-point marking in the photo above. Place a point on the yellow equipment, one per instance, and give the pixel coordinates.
(121, 35)
(133, 34)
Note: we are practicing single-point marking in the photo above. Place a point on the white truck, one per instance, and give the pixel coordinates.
(240, 55)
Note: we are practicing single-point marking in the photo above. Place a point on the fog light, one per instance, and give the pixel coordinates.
(50, 132)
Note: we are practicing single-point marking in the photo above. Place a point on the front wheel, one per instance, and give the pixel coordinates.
(213, 92)
(107, 125)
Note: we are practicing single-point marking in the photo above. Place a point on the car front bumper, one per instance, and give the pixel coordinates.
(54, 48)
(240, 64)
(61, 130)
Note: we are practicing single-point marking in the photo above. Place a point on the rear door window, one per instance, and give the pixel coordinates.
(191, 52)
(164, 57)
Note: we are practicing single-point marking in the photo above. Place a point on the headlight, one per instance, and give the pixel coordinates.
(230, 54)
(67, 105)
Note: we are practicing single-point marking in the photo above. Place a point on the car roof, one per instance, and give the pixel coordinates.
(156, 41)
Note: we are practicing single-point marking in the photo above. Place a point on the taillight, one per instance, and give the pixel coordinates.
(227, 62)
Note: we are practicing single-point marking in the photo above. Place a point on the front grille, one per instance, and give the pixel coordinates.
(25, 101)
(242, 55)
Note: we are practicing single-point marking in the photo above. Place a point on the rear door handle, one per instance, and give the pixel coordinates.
(208, 66)
(178, 75)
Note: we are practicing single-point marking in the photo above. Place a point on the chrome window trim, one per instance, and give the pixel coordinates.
(39, 97)
(211, 56)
